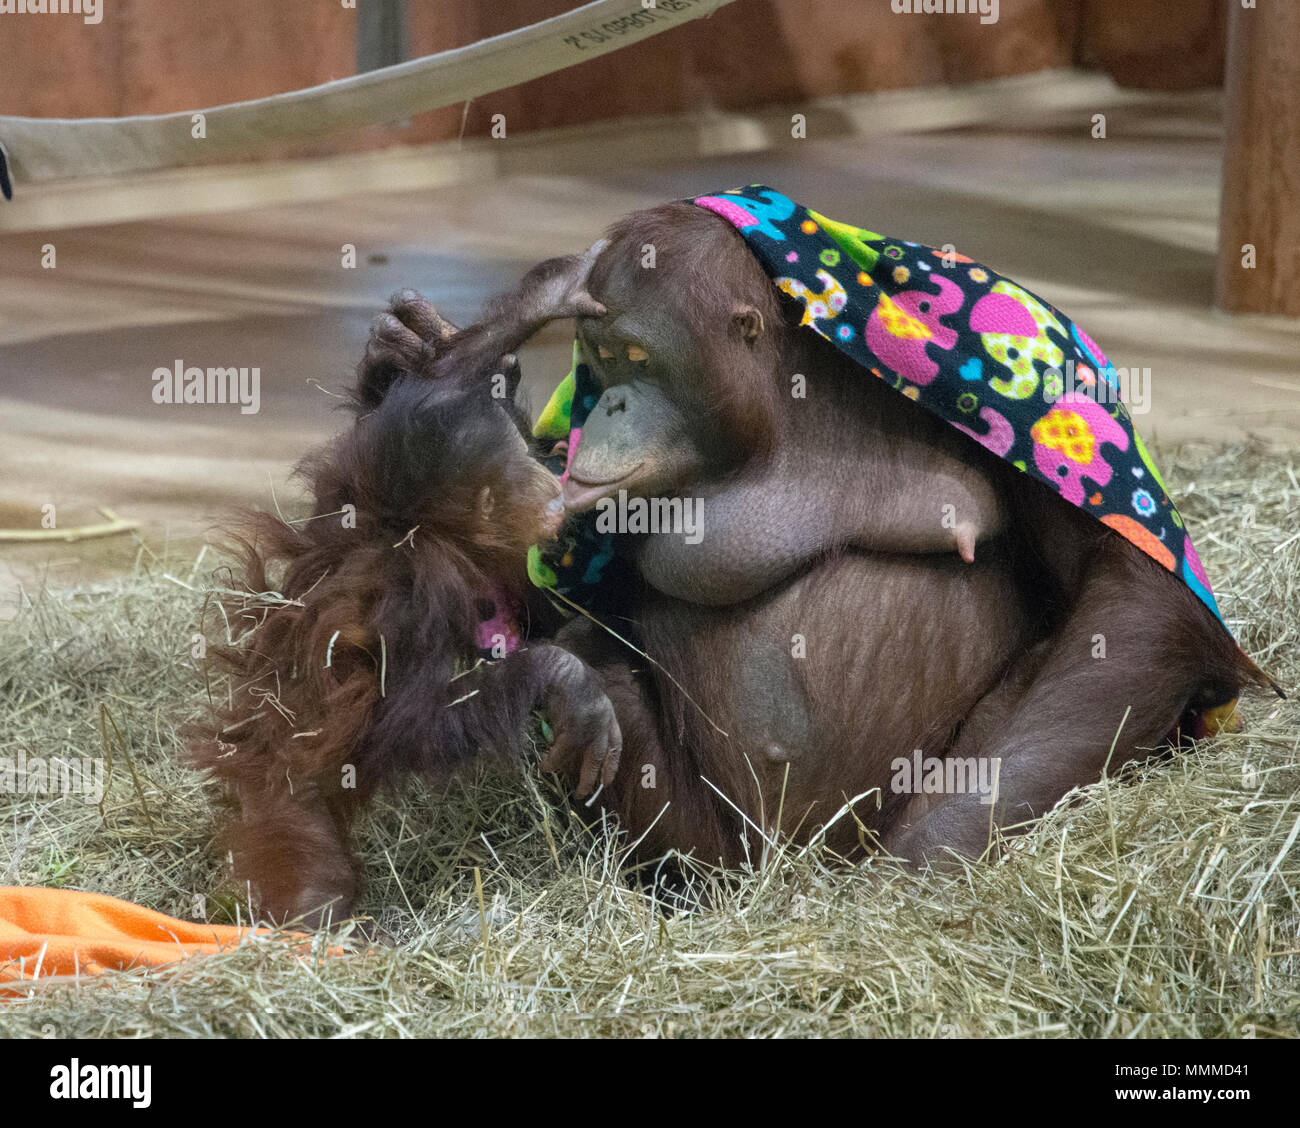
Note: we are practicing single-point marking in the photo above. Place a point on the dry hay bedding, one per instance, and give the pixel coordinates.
(1162, 904)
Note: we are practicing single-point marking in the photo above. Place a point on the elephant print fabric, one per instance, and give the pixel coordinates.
(978, 350)
(983, 353)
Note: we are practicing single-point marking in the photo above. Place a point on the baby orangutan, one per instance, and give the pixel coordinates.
(388, 644)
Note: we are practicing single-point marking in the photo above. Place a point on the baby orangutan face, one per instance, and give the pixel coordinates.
(522, 504)
(444, 462)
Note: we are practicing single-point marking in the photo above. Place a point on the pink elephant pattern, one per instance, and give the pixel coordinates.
(973, 348)
(1068, 442)
(1013, 326)
(902, 325)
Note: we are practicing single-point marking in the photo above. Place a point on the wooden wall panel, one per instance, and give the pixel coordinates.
(1158, 44)
(756, 52)
(58, 66)
(1260, 205)
(157, 55)
(186, 54)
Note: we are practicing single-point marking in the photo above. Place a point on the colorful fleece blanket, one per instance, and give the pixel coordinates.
(986, 355)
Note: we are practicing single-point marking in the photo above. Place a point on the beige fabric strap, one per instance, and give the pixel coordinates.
(41, 149)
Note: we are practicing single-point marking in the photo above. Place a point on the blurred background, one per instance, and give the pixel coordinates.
(1115, 156)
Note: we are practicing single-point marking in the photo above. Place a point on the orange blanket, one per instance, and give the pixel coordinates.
(62, 932)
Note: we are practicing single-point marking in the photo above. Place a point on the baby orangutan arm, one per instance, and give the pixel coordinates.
(412, 337)
(554, 289)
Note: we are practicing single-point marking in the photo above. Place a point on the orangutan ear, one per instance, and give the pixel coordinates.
(485, 502)
(748, 322)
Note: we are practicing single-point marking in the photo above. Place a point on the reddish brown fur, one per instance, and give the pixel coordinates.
(348, 670)
(988, 660)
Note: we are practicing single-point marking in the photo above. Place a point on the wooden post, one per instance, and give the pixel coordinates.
(1261, 161)
(381, 34)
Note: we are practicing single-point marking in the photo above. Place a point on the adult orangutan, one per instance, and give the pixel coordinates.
(835, 616)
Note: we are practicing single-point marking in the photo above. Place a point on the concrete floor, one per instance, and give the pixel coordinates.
(1119, 233)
